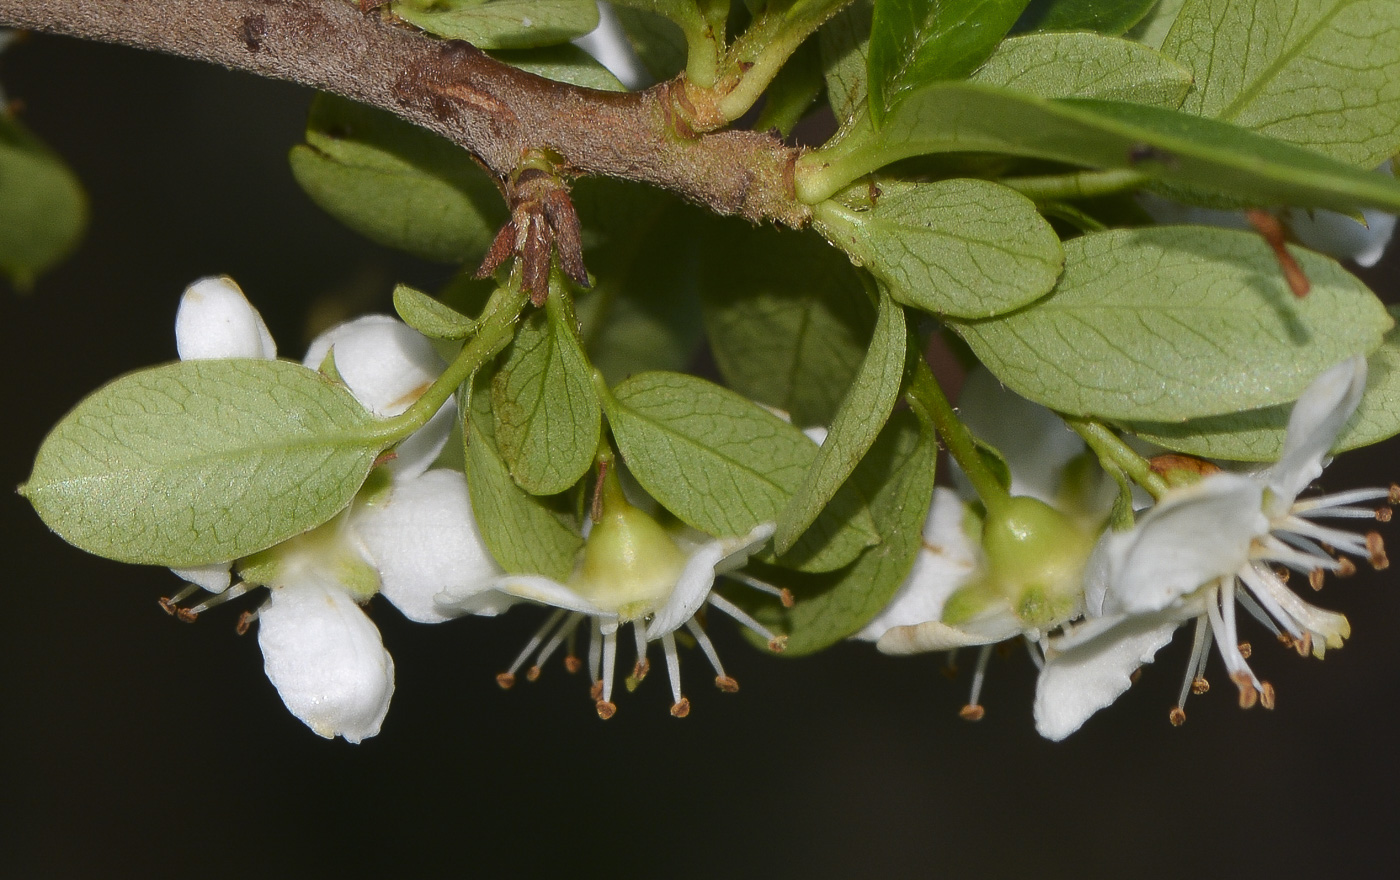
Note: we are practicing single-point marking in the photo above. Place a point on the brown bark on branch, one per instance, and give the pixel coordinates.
(493, 110)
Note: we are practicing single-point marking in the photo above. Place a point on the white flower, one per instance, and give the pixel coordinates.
(1206, 547)
(408, 534)
(957, 595)
(632, 571)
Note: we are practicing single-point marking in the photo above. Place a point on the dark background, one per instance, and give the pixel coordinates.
(132, 745)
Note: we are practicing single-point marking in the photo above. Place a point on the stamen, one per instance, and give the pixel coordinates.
(169, 603)
(950, 666)
(680, 708)
(1304, 645)
(1330, 538)
(530, 646)
(571, 662)
(1394, 496)
(642, 666)
(1036, 656)
(189, 614)
(566, 630)
(727, 684)
(1375, 548)
(605, 709)
(1336, 499)
(1198, 644)
(1346, 569)
(783, 594)
(1248, 695)
(1266, 696)
(776, 644)
(1259, 614)
(1177, 716)
(609, 663)
(595, 652)
(673, 672)
(1246, 649)
(1383, 514)
(1316, 578)
(974, 711)
(1200, 686)
(245, 620)
(708, 647)
(595, 691)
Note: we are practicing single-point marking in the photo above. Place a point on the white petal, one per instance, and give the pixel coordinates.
(1194, 535)
(423, 538)
(698, 577)
(385, 363)
(215, 320)
(944, 563)
(211, 578)
(416, 454)
(1080, 681)
(1035, 442)
(545, 591)
(325, 658)
(934, 635)
(1341, 236)
(1313, 426)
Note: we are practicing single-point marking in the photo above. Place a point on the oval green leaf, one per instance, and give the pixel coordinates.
(502, 24)
(1085, 66)
(966, 248)
(43, 210)
(1173, 323)
(203, 461)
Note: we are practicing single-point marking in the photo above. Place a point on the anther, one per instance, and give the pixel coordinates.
(605, 709)
(595, 693)
(1304, 645)
(727, 684)
(785, 596)
(533, 673)
(1135, 675)
(1316, 578)
(1177, 716)
(680, 708)
(506, 680)
(1394, 493)
(972, 712)
(640, 670)
(1199, 686)
(1282, 574)
(778, 644)
(1286, 640)
(572, 664)
(1246, 649)
(1248, 695)
(170, 605)
(1266, 698)
(245, 620)
(1345, 568)
(186, 615)
(1375, 548)
(1383, 514)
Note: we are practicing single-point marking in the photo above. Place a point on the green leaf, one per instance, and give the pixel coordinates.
(1172, 323)
(1321, 73)
(858, 422)
(1085, 66)
(1111, 17)
(395, 183)
(788, 319)
(723, 464)
(659, 42)
(524, 532)
(720, 462)
(845, 44)
(1257, 435)
(564, 63)
(547, 417)
(1152, 29)
(967, 248)
(43, 210)
(897, 474)
(792, 91)
(1165, 144)
(203, 461)
(643, 312)
(502, 24)
(915, 42)
(430, 317)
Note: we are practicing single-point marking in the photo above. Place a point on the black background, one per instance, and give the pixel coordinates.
(132, 745)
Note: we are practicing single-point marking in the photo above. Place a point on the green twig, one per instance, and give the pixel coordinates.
(926, 395)
(1111, 450)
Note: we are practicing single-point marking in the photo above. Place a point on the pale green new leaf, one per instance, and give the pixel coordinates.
(43, 210)
(547, 417)
(1321, 73)
(916, 42)
(787, 318)
(1166, 145)
(1085, 66)
(396, 183)
(897, 475)
(522, 531)
(564, 63)
(502, 24)
(966, 248)
(858, 422)
(429, 316)
(1257, 435)
(1171, 323)
(203, 461)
